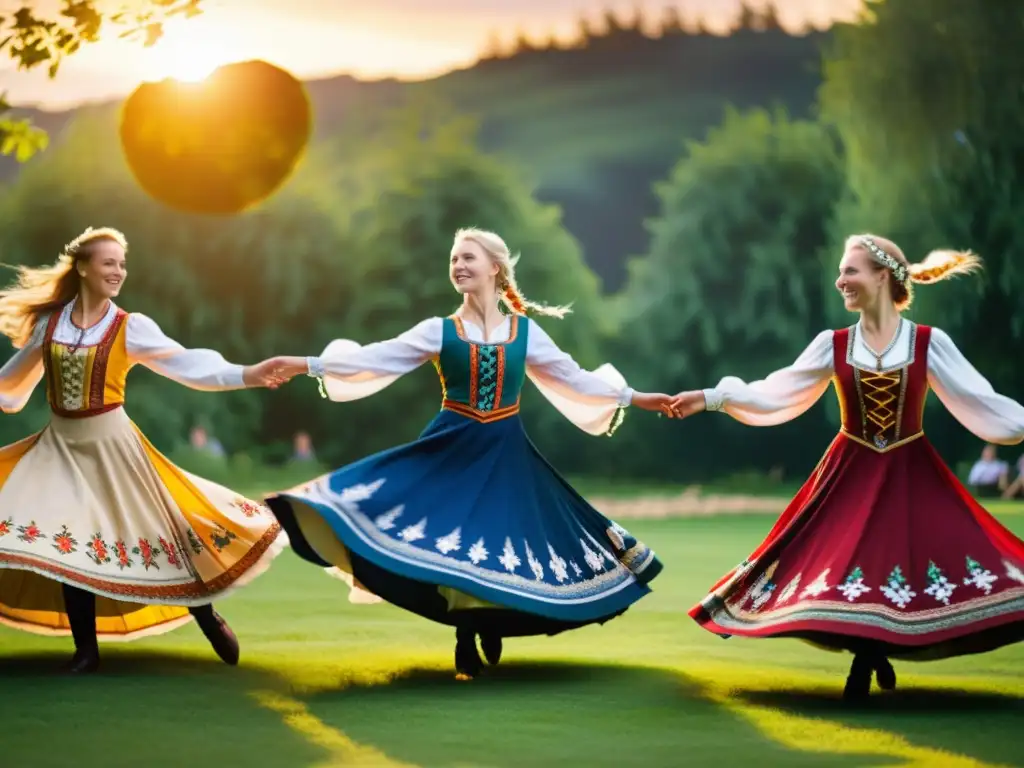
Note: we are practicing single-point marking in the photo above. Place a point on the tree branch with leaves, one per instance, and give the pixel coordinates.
(33, 39)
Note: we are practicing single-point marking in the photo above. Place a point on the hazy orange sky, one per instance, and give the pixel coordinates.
(366, 38)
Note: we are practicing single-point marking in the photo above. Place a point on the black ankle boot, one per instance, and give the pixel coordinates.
(858, 682)
(468, 663)
(217, 632)
(491, 645)
(885, 675)
(80, 607)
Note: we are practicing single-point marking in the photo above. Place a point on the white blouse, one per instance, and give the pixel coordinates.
(789, 392)
(589, 399)
(146, 344)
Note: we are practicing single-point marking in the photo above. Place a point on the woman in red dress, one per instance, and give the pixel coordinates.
(882, 552)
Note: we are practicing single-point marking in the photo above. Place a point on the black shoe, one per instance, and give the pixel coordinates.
(491, 645)
(83, 662)
(885, 675)
(858, 682)
(219, 634)
(468, 663)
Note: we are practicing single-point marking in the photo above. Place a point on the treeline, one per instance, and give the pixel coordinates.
(737, 279)
(617, 32)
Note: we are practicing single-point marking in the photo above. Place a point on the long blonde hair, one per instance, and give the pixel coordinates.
(39, 290)
(505, 281)
(937, 265)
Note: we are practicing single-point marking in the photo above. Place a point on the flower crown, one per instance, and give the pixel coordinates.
(898, 270)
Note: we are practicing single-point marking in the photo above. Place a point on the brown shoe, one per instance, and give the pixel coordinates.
(220, 635)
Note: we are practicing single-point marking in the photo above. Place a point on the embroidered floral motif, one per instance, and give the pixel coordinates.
(64, 542)
(222, 537)
(980, 577)
(450, 542)
(195, 542)
(412, 533)
(591, 558)
(557, 565)
(478, 552)
(1013, 572)
(29, 533)
(121, 553)
(854, 585)
(352, 495)
(575, 568)
(386, 521)
(148, 553)
(170, 552)
(939, 586)
(535, 566)
(509, 559)
(249, 508)
(897, 590)
(97, 549)
(789, 591)
(818, 587)
(761, 591)
(5, 526)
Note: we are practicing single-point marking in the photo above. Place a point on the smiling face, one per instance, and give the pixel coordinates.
(862, 282)
(103, 271)
(471, 269)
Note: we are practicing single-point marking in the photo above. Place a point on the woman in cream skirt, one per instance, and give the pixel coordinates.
(102, 537)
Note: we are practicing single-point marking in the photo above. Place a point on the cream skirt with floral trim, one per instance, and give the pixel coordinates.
(90, 502)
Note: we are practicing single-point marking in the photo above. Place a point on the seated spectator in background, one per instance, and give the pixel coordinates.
(1016, 489)
(989, 476)
(303, 447)
(203, 443)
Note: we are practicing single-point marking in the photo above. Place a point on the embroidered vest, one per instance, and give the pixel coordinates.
(882, 409)
(89, 380)
(482, 381)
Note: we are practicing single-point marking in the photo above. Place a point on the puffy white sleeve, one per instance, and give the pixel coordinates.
(201, 369)
(969, 397)
(20, 374)
(351, 371)
(592, 400)
(783, 395)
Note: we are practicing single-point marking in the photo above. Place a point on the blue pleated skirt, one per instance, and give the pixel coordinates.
(476, 508)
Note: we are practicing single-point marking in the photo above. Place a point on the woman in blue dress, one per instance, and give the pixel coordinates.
(469, 525)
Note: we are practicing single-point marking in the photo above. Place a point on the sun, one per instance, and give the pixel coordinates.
(189, 53)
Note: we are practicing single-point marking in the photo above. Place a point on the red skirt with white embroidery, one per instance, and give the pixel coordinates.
(883, 547)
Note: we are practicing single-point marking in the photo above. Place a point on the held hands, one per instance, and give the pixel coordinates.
(273, 372)
(658, 402)
(687, 403)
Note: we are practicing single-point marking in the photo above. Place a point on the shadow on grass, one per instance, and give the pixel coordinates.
(142, 708)
(979, 724)
(552, 714)
(191, 710)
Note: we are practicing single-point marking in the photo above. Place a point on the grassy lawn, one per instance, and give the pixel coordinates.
(324, 683)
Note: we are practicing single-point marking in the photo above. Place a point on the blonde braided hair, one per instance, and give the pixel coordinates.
(505, 281)
(936, 266)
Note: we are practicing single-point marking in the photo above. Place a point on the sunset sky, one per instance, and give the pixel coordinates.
(366, 38)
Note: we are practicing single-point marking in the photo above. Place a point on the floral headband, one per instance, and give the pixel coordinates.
(898, 270)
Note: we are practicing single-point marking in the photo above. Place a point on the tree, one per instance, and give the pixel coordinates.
(671, 21)
(926, 97)
(495, 48)
(33, 40)
(732, 282)
(747, 19)
(585, 34)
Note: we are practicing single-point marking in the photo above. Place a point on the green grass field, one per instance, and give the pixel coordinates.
(326, 683)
